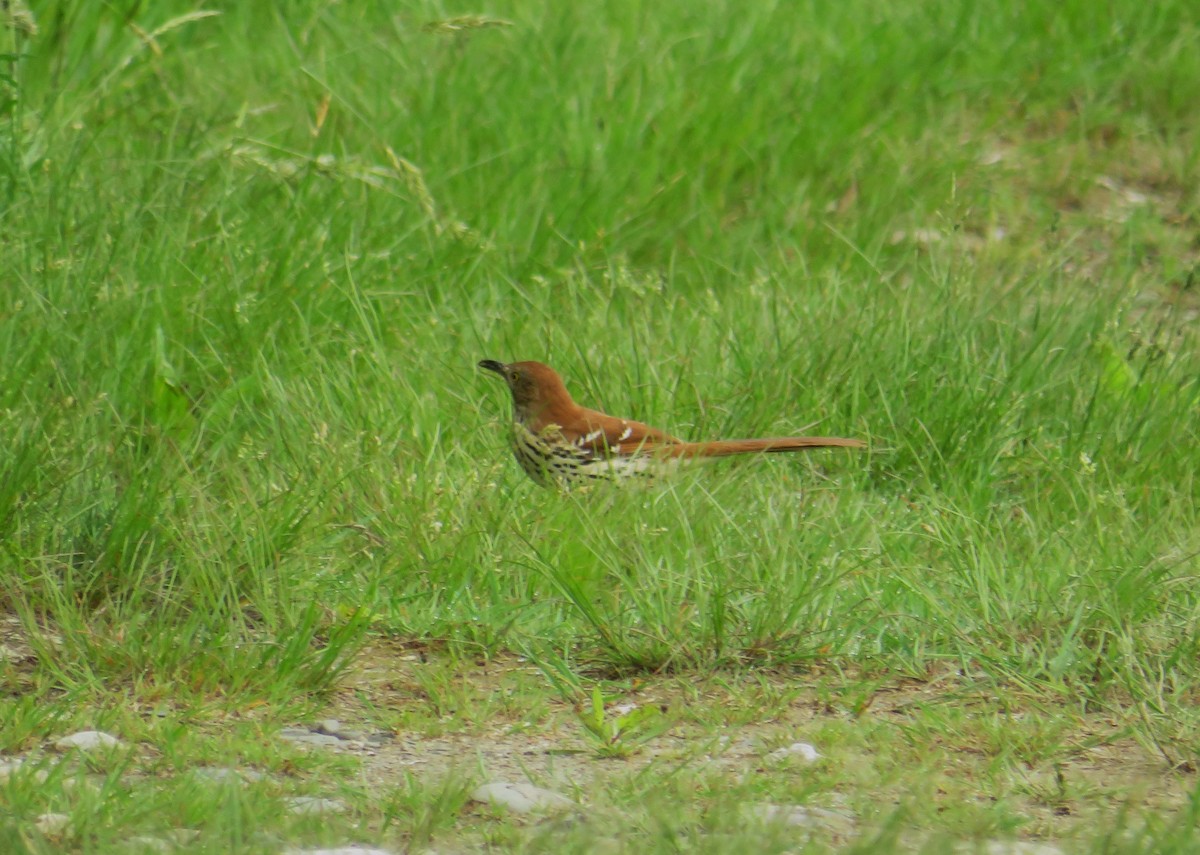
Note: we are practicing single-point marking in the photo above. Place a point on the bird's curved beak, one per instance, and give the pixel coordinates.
(493, 365)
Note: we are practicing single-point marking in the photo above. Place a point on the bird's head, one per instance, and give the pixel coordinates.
(535, 387)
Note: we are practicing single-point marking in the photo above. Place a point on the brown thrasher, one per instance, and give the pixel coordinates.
(556, 441)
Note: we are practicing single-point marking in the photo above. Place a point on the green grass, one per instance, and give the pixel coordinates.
(249, 260)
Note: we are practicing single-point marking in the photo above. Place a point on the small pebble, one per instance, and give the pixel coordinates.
(52, 824)
(804, 816)
(302, 736)
(802, 750)
(225, 773)
(333, 727)
(521, 798)
(312, 805)
(182, 836)
(87, 740)
(1016, 847)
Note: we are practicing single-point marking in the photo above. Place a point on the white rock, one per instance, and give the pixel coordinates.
(1017, 847)
(182, 836)
(51, 824)
(802, 750)
(521, 798)
(308, 737)
(87, 740)
(333, 727)
(221, 774)
(313, 805)
(804, 816)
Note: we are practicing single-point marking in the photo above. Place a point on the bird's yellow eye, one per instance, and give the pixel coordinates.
(514, 376)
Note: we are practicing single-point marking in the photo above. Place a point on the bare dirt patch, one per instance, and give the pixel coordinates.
(943, 741)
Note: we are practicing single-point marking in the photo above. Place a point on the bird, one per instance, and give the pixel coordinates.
(561, 444)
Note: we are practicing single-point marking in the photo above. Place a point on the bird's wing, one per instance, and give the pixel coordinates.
(601, 435)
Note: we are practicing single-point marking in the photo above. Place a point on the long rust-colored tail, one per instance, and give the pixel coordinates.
(726, 447)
